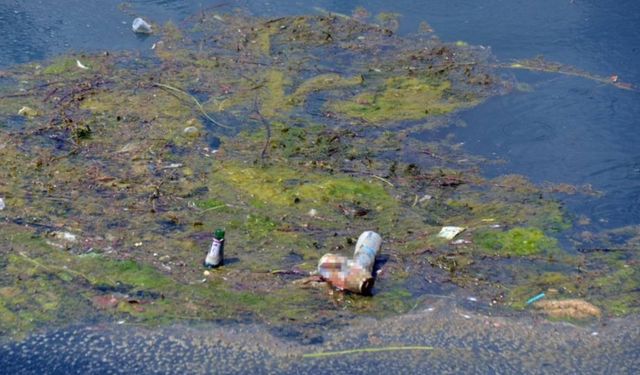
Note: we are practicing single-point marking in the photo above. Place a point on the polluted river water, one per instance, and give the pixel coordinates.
(296, 127)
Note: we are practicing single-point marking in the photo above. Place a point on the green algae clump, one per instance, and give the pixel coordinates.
(517, 241)
(402, 98)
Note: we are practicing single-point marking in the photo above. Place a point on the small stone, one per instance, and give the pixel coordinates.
(27, 112)
(191, 131)
(206, 273)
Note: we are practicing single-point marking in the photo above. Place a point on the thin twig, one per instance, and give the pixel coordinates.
(267, 128)
(198, 104)
(382, 179)
(51, 268)
(365, 350)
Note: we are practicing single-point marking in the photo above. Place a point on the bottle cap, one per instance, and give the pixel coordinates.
(219, 233)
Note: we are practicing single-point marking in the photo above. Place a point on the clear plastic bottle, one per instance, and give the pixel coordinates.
(215, 256)
(367, 247)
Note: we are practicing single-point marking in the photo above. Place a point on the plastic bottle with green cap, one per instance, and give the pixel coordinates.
(215, 256)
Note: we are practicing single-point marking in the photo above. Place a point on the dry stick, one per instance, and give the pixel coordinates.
(382, 179)
(267, 127)
(366, 350)
(51, 268)
(200, 107)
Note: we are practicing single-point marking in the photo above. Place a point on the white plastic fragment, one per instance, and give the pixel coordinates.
(450, 232)
(461, 241)
(81, 65)
(141, 26)
(66, 236)
(2, 205)
(425, 197)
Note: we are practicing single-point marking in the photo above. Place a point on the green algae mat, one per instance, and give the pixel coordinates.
(295, 135)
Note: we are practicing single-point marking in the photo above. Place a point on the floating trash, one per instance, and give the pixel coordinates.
(141, 26)
(450, 232)
(81, 65)
(535, 298)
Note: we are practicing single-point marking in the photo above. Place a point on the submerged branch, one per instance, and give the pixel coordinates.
(365, 350)
(195, 100)
(539, 65)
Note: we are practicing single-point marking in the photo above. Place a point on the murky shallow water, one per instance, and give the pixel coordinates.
(565, 130)
(442, 338)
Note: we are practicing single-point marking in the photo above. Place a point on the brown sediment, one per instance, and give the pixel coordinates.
(568, 308)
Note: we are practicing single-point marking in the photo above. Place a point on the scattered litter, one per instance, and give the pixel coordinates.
(466, 316)
(141, 26)
(312, 212)
(594, 333)
(354, 274)
(472, 299)
(2, 205)
(121, 321)
(495, 226)
(206, 273)
(450, 232)
(27, 112)
(137, 244)
(81, 65)
(535, 298)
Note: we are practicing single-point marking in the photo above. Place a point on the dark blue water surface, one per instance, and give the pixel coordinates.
(567, 129)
